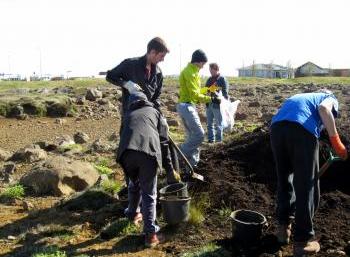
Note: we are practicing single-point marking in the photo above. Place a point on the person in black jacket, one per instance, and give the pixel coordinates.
(142, 150)
(142, 73)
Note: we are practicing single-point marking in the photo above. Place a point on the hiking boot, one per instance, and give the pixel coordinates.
(153, 239)
(283, 233)
(302, 249)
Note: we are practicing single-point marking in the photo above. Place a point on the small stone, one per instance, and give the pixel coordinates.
(60, 121)
(27, 206)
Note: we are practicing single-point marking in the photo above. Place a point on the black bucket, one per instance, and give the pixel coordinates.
(175, 209)
(177, 189)
(247, 226)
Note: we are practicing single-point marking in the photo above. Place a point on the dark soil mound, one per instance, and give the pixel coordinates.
(242, 175)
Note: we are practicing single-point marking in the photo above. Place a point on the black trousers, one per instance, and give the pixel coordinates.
(296, 154)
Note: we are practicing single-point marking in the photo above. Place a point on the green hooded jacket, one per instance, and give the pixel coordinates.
(190, 86)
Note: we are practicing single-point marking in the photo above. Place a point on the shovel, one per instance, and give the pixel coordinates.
(332, 158)
(192, 173)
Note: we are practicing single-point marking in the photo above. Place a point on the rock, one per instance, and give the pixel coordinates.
(81, 138)
(60, 121)
(15, 111)
(27, 206)
(46, 146)
(65, 140)
(93, 94)
(336, 252)
(80, 100)
(254, 104)
(29, 155)
(278, 97)
(9, 168)
(4, 155)
(60, 176)
(22, 116)
(101, 147)
(173, 122)
(58, 109)
(103, 101)
(114, 136)
(241, 116)
(11, 237)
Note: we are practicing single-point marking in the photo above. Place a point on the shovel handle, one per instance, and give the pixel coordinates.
(193, 174)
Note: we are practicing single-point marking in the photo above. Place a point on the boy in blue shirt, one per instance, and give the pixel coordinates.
(295, 131)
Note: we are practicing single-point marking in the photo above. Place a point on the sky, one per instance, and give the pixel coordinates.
(84, 37)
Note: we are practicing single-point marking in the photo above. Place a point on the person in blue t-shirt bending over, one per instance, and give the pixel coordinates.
(295, 133)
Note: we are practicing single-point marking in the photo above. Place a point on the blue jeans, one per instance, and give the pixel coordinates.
(298, 191)
(194, 131)
(142, 172)
(214, 118)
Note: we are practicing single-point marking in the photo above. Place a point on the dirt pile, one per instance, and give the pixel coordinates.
(242, 175)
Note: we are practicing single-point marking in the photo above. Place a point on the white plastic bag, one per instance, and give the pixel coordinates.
(228, 110)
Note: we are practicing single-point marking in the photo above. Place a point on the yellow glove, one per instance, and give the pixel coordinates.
(213, 88)
(177, 176)
(173, 177)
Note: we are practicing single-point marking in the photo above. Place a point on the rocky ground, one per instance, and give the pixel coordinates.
(245, 179)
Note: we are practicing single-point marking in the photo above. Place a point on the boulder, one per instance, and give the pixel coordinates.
(60, 176)
(81, 138)
(80, 100)
(4, 155)
(93, 94)
(29, 154)
(99, 146)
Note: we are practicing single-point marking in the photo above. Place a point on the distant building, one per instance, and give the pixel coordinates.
(265, 71)
(11, 77)
(340, 72)
(311, 69)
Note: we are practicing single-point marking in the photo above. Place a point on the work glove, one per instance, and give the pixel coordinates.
(132, 87)
(213, 88)
(215, 99)
(173, 177)
(338, 146)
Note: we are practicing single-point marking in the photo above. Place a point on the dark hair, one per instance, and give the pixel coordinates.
(158, 45)
(214, 66)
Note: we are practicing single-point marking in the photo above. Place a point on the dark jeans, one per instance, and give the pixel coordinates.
(298, 192)
(141, 169)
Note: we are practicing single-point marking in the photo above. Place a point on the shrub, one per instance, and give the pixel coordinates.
(13, 192)
(51, 251)
(103, 169)
(111, 186)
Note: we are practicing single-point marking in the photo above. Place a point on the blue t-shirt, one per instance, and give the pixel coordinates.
(303, 109)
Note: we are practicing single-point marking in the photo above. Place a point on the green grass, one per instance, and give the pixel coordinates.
(103, 169)
(121, 227)
(51, 251)
(66, 148)
(198, 207)
(13, 192)
(111, 186)
(209, 250)
(79, 85)
(104, 161)
(76, 84)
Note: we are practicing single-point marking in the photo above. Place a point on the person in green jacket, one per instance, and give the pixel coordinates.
(191, 93)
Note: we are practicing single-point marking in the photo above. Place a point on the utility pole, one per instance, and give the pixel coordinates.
(41, 74)
(180, 58)
(9, 63)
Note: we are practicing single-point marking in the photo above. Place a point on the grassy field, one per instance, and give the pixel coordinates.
(169, 81)
(77, 84)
